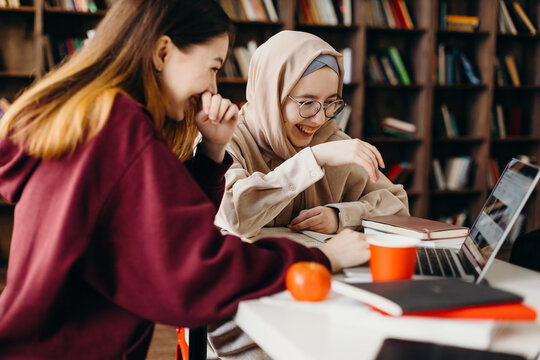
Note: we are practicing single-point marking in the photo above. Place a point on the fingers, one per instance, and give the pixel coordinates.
(369, 158)
(218, 108)
(305, 214)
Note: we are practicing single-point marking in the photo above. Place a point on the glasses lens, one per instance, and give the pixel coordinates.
(309, 109)
(334, 108)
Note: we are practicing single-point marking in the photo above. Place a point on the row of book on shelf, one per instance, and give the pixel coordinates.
(458, 173)
(250, 10)
(325, 12)
(456, 22)
(446, 124)
(387, 67)
(507, 121)
(388, 125)
(506, 71)
(389, 13)
(400, 173)
(75, 5)
(454, 67)
(512, 19)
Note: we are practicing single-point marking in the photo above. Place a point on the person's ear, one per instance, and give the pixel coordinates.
(160, 52)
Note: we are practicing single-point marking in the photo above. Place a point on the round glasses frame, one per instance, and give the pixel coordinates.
(304, 106)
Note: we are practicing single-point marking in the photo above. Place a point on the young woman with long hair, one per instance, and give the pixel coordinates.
(113, 227)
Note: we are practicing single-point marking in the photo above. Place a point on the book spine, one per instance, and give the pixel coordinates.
(524, 18)
(398, 63)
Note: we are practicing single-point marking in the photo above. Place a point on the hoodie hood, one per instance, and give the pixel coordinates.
(16, 167)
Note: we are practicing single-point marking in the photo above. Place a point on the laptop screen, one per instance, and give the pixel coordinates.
(500, 212)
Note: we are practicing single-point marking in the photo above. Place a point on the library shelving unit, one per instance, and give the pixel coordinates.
(420, 102)
(26, 29)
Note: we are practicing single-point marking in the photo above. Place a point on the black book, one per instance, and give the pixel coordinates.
(423, 296)
(398, 349)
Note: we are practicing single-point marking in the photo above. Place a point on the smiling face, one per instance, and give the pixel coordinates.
(321, 85)
(185, 74)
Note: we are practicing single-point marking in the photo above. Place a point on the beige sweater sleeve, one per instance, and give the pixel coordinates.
(363, 198)
(251, 201)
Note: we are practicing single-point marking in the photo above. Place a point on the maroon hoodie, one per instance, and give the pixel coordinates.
(118, 236)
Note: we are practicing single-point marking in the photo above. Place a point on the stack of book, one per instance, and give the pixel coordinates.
(454, 67)
(513, 20)
(389, 13)
(462, 23)
(396, 127)
(325, 12)
(388, 67)
(250, 10)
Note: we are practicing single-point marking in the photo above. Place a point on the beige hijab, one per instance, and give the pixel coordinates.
(275, 68)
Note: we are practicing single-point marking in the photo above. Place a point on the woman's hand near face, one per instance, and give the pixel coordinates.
(321, 219)
(347, 249)
(216, 121)
(352, 151)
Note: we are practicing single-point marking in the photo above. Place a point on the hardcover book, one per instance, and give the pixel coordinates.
(439, 298)
(418, 228)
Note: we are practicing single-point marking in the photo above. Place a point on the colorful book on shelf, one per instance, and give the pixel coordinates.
(347, 12)
(419, 228)
(462, 23)
(507, 19)
(271, 10)
(512, 70)
(404, 11)
(399, 65)
(449, 298)
(524, 18)
(469, 70)
(501, 123)
(438, 174)
(388, 70)
(388, 15)
(515, 121)
(306, 12)
(378, 13)
(399, 125)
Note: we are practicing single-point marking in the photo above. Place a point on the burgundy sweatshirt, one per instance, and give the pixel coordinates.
(117, 236)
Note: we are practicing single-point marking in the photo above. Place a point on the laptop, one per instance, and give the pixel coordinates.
(487, 235)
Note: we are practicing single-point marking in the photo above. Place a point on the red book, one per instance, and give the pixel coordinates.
(398, 15)
(306, 11)
(515, 121)
(512, 311)
(394, 171)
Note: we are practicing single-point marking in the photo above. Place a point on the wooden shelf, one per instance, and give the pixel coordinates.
(333, 28)
(458, 139)
(373, 85)
(395, 31)
(464, 34)
(17, 10)
(464, 192)
(418, 103)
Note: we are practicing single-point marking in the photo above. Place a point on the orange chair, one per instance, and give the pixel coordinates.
(197, 344)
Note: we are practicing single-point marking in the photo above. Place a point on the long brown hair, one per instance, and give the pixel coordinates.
(71, 104)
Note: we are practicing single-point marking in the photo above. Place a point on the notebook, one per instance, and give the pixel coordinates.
(487, 235)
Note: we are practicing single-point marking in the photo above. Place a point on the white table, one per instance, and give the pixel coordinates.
(341, 328)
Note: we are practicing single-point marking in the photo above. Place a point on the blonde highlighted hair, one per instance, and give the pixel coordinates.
(71, 104)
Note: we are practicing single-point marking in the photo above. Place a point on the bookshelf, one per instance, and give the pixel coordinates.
(471, 105)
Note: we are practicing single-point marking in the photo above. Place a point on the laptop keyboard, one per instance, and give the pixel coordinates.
(435, 261)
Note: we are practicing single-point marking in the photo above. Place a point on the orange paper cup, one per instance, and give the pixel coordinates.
(393, 257)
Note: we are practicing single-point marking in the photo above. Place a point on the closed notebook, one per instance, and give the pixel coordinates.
(451, 298)
(416, 227)
(400, 349)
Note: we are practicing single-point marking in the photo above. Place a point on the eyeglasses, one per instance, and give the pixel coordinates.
(310, 108)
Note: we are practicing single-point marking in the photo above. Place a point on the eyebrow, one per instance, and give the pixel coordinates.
(309, 96)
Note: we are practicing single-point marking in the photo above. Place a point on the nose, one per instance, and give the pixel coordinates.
(319, 118)
(213, 86)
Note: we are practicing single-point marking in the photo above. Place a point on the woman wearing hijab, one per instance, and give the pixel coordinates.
(292, 165)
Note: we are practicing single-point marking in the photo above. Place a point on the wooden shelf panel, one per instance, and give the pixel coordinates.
(17, 10)
(61, 11)
(459, 139)
(322, 27)
(464, 192)
(464, 34)
(395, 31)
(383, 86)
(523, 88)
(459, 87)
(515, 139)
